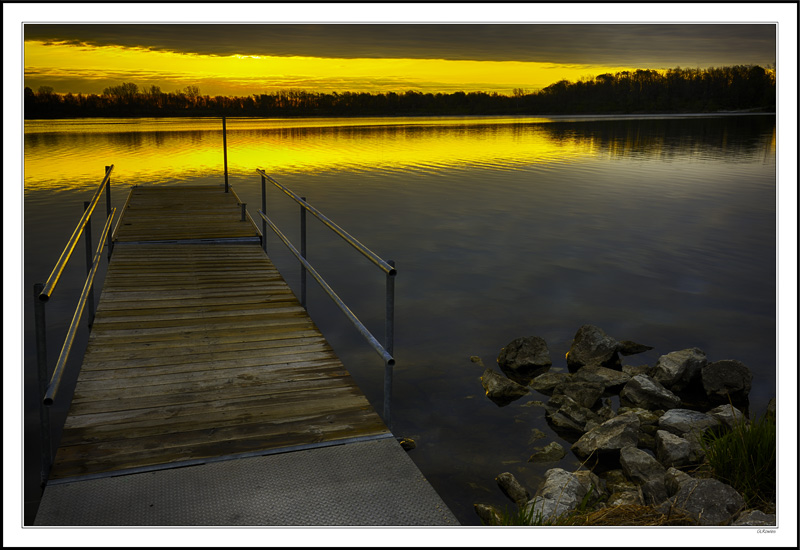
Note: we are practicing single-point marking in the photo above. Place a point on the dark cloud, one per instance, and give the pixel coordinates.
(666, 45)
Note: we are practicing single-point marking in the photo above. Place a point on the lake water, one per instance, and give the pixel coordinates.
(660, 230)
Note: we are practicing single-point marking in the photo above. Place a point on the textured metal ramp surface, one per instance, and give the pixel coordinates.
(372, 483)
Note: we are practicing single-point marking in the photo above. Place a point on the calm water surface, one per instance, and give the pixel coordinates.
(656, 229)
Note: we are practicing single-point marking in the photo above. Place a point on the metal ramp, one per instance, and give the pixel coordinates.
(369, 483)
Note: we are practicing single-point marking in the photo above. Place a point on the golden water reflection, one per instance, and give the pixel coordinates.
(65, 153)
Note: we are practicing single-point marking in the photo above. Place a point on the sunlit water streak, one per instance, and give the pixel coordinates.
(660, 230)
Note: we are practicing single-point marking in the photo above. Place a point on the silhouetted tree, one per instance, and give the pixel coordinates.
(640, 91)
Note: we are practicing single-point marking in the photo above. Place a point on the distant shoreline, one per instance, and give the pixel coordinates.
(421, 116)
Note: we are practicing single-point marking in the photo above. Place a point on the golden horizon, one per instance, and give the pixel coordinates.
(80, 69)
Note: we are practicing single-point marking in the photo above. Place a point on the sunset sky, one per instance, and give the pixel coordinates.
(243, 59)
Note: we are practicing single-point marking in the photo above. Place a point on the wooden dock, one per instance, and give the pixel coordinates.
(199, 349)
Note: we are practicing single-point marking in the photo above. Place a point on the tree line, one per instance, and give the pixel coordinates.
(741, 87)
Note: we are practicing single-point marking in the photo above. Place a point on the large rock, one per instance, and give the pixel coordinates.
(512, 488)
(499, 389)
(673, 480)
(628, 347)
(728, 415)
(592, 483)
(645, 470)
(678, 370)
(524, 359)
(592, 346)
(673, 450)
(727, 381)
(633, 370)
(648, 424)
(683, 421)
(567, 415)
(707, 501)
(644, 392)
(611, 380)
(547, 383)
(583, 393)
(648, 419)
(561, 492)
(606, 440)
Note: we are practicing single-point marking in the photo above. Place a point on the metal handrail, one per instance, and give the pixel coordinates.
(49, 384)
(58, 371)
(50, 285)
(374, 258)
(386, 351)
(330, 292)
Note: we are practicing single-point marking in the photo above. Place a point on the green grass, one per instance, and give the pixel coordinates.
(745, 459)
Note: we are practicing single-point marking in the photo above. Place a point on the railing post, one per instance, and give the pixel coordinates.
(388, 376)
(87, 237)
(244, 211)
(108, 210)
(225, 151)
(264, 210)
(303, 254)
(43, 375)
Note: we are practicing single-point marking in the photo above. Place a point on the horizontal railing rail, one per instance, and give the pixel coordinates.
(385, 350)
(49, 383)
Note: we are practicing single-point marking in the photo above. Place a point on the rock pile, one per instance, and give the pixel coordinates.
(634, 455)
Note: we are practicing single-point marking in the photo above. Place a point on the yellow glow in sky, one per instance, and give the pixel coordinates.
(77, 69)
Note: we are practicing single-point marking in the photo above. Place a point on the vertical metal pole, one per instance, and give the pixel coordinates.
(87, 238)
(264, 210)
(390, 310)
(108, 211)
(43, 375)
(388, 375)
(225, 151)
(303, 254)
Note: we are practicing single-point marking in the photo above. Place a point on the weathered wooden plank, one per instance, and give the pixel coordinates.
(212, 326)
(98, 431)
(116, 401)
(210, 360)
(124, 386)
(143, 346)
(279, 356)
(76, 461)
(117, 348)
(285, 405)
(318, 420)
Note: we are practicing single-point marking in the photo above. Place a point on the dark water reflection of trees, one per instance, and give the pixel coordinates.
(733, 138)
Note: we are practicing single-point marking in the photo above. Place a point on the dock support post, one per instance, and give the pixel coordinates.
(225, 152)
(108, 211)
(264, 210)
(41, 364)
(303, 254)
(244, 211)
(87, 237)
(388, 375)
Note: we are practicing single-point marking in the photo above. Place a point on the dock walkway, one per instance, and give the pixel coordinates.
(208, 396)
